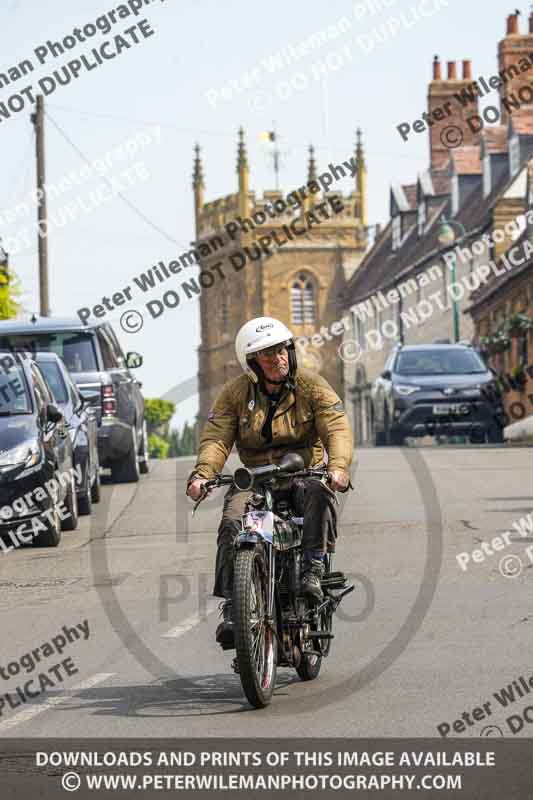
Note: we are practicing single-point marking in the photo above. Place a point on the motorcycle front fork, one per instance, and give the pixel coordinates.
(271, 581)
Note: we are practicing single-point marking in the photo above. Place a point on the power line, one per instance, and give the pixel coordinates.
(224, 134)
(18, 173)
(124, 199)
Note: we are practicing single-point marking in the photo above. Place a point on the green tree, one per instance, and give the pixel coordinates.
(157, 413)
(182, 443)
(9, 292)
(157, 446)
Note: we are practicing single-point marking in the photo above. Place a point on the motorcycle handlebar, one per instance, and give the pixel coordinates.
(225, 480)
(222, 480)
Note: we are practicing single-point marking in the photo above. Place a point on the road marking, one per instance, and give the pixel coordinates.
(32, 711)
(189, 623)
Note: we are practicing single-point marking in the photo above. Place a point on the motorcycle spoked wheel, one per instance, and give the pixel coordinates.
(255, 641)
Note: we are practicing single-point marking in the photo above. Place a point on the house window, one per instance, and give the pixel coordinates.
(224, 314)
(303, 302)
(486, 176)
(514, 155)
(422, 217)
(396, 232)
(358, 329)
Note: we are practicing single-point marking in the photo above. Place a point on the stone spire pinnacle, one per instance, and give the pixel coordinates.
(198, 174)
(242, 161)
(198, 187)
(242, 171)
(359, 148)
(360, 180)
(311, 171)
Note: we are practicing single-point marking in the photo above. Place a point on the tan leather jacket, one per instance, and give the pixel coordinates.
(309, 420)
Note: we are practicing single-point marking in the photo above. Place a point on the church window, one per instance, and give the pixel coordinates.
(303, 301)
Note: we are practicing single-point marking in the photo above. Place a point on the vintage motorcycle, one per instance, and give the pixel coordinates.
(274, 624)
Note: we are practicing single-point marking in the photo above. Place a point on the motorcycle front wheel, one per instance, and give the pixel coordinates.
(255, 640)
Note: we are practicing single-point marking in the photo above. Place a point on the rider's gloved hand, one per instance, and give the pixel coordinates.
(338, 480)
(195, 489)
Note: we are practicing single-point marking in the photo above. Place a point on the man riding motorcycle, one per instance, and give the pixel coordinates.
(273, 409)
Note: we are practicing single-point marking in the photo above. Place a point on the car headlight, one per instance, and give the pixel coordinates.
(27, 455)
(406, 388)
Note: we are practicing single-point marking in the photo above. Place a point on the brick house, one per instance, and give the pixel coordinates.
(496, 305)
(402, 290)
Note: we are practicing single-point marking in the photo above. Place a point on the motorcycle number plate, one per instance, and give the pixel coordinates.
(259, 522)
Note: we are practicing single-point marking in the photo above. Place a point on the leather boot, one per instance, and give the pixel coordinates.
(312, 575)
(224, 633)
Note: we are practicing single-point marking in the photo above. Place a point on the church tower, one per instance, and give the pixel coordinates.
(301, 283)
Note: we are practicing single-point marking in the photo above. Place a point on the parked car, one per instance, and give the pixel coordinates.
(80, 417)
(36, 459)
(94, 358)
(436, 389)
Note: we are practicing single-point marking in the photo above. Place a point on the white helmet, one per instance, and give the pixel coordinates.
(257, 334)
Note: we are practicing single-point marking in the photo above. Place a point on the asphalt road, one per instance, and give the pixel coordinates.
(418, 643)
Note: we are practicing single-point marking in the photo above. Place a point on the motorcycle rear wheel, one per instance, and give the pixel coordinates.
(255, 641)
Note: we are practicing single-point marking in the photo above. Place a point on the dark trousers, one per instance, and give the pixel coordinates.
(310, 498)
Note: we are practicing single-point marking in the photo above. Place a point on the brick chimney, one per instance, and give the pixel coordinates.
(514, 52)
(441, 91)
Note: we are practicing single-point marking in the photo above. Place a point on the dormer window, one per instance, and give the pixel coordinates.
(486, 176)
(514, 155)
(422, 217)
(396, 231)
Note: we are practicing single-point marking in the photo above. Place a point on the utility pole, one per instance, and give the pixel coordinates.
(38, 122)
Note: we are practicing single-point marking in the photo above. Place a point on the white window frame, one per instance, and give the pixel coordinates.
(455, 195)
(422, 217)
(487, 176)
(514, 154)
(396, 232)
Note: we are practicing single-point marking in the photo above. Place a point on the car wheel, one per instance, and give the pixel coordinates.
(52, 535)
(127, 469)
(85, 499)
(96, 492)
(397, 438)
(386, 426)
(378, 437)
(71, 503)
(144, 456)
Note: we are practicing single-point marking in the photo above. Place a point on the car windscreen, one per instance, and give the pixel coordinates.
(74, 348)
(14, 395)
(54, 379)
(444, 361)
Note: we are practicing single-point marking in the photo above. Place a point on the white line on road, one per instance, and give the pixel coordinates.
(189, 623)
(38, 708)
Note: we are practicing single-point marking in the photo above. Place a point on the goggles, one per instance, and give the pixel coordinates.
(270, 352)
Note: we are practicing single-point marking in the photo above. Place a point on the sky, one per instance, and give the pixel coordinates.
(207, 69)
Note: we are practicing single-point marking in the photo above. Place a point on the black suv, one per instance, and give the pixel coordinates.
(436, 390)
(94, 358)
